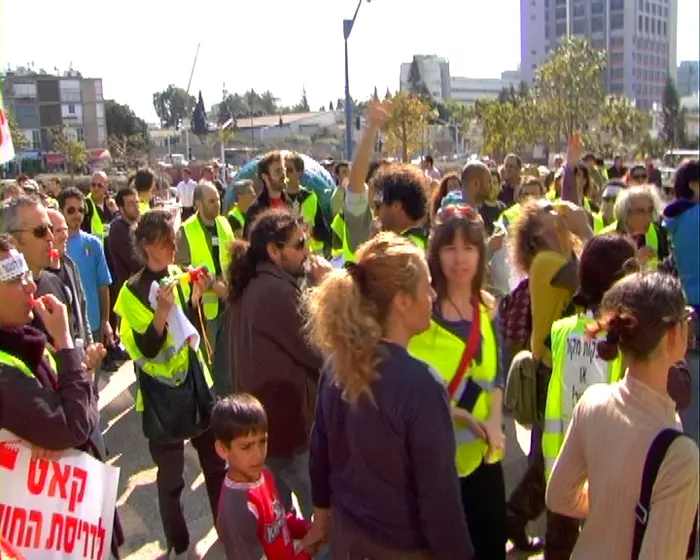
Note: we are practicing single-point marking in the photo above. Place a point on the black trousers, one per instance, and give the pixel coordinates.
(484, 503)
(170, 482)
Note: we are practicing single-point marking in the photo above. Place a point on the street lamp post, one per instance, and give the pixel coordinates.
(347, 29)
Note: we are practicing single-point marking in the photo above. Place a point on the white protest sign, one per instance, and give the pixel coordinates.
(55, 510)
(582, 368)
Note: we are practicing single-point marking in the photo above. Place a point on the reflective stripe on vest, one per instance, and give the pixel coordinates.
(442, 350)
(200, 255)
(236, 213)
(97, 228)
(651, 238)
(170, 366)
(575, 367)
(10, 360)
(308, 212)
(341, 231)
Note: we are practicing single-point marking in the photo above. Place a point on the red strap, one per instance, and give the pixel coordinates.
(469, 350)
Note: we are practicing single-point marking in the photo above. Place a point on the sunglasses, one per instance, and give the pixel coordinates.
(459, 211)
(72, 210)
(40, 232)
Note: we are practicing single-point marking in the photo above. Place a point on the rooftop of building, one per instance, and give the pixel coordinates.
(31, 72)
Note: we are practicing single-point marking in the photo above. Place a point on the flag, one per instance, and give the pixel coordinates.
(7, 150)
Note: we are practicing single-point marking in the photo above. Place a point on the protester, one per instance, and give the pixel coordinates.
(185, 193)
(273, 195)
(512, 169)
(617, 170)
(457, 258)
(383, 440)
(121, 246)
(429, 169)
(174, 394)
(244, 196)
(249, 502)
(98, 209)
(644, 315)
(47, 396)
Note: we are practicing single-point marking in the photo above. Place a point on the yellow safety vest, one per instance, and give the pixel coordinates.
(417, 235)
(308, 211)
(236, 214)
(598, 223)
(200, 255)
(442, 351)
(144, 207)
(575, 367)
(10, 360)
(509, 215)
(97, 228)
(339, 228)
(170, 366)
(651, 238)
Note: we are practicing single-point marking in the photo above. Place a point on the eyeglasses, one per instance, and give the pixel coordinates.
(461, 211)
(40, 232)
(73, 209)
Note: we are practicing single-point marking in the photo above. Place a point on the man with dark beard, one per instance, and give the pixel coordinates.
(272, 195)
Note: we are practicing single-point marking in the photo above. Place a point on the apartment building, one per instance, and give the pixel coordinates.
(688, 77)
(638, 35)
(41, 101)
(435, 74)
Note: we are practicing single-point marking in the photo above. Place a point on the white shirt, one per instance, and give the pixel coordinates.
(433, 173)
(185, 192)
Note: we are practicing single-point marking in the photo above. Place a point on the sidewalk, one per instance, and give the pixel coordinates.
(137, 500)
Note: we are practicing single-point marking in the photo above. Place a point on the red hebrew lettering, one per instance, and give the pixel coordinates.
(19, 521)
(93, 533)
(37, 519)
(36, 478)
(59, 480)
(101, 536)
(77, 489)
(5, 519)
(85, 528)
(9, 452)
(55, 533)
(70, 533)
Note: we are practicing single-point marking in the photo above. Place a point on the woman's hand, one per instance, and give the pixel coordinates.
(465, 418)
(165, 298)
(645, 254)
(55, 318)
(199, 286)
(495, 437)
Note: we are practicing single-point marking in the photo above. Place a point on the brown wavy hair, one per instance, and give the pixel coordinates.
(527, 238)
(346, 314)
(441, 192)
(636, 313)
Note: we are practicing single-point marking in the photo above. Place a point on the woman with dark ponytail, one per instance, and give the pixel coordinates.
(615, 429)
(575, 367)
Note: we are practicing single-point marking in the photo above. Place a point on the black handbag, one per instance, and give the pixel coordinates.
(175, 413)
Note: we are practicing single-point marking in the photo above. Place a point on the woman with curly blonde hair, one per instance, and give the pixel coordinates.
(382, 446)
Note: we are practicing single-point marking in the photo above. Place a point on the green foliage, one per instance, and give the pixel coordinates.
(19, 140)
(622, 123)
(673, 130)
(199, 118)
(172, 105)
(74, 153)
(569, 88)
(127, 134)
(405, 125)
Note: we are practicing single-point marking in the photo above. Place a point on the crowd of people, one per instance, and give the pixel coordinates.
(364, 361)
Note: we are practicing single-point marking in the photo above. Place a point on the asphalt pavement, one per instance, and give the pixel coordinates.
(137, 499)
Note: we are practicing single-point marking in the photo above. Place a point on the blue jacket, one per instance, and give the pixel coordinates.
(682, 220)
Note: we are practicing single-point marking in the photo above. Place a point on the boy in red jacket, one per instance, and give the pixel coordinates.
(251, 521)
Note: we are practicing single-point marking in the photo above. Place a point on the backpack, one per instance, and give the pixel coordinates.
(515, 317)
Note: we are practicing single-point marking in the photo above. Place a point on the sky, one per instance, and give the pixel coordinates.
(140, 47)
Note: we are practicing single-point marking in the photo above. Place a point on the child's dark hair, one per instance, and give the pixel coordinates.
(636, 313)
(237, 415)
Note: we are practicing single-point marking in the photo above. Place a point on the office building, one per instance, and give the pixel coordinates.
(688, 78)
(41, 101)
(434, 71)
(638, 35)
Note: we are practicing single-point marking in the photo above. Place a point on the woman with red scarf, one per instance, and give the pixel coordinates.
(46, 393)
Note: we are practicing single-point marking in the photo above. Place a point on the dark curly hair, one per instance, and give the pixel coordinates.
(271, 226)
(403, 183)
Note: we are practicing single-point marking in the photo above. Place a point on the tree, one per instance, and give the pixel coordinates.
(322, 109)
(199, 118)
(405, 124)
(127, 134)
(330, 106)
(19, 140)
(340, 105)
(303, 105)
(375, 95)
(415, 81)
(387, 95)
(74, 153)
(622, 123)
(502, 127)
(172, 105)
(569, 88)
(673, 131)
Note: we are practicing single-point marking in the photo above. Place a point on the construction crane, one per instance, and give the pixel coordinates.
(188, 156)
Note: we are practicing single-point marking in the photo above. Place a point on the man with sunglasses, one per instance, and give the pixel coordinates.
(98, 210)
(88, 254)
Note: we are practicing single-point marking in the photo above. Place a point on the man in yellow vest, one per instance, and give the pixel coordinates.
(204, 240)
(305, 203)
(144, 183)
(98, 209)
(244, 196)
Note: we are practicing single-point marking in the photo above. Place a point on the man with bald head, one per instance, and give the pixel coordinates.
(98, 210)
(204, 240)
